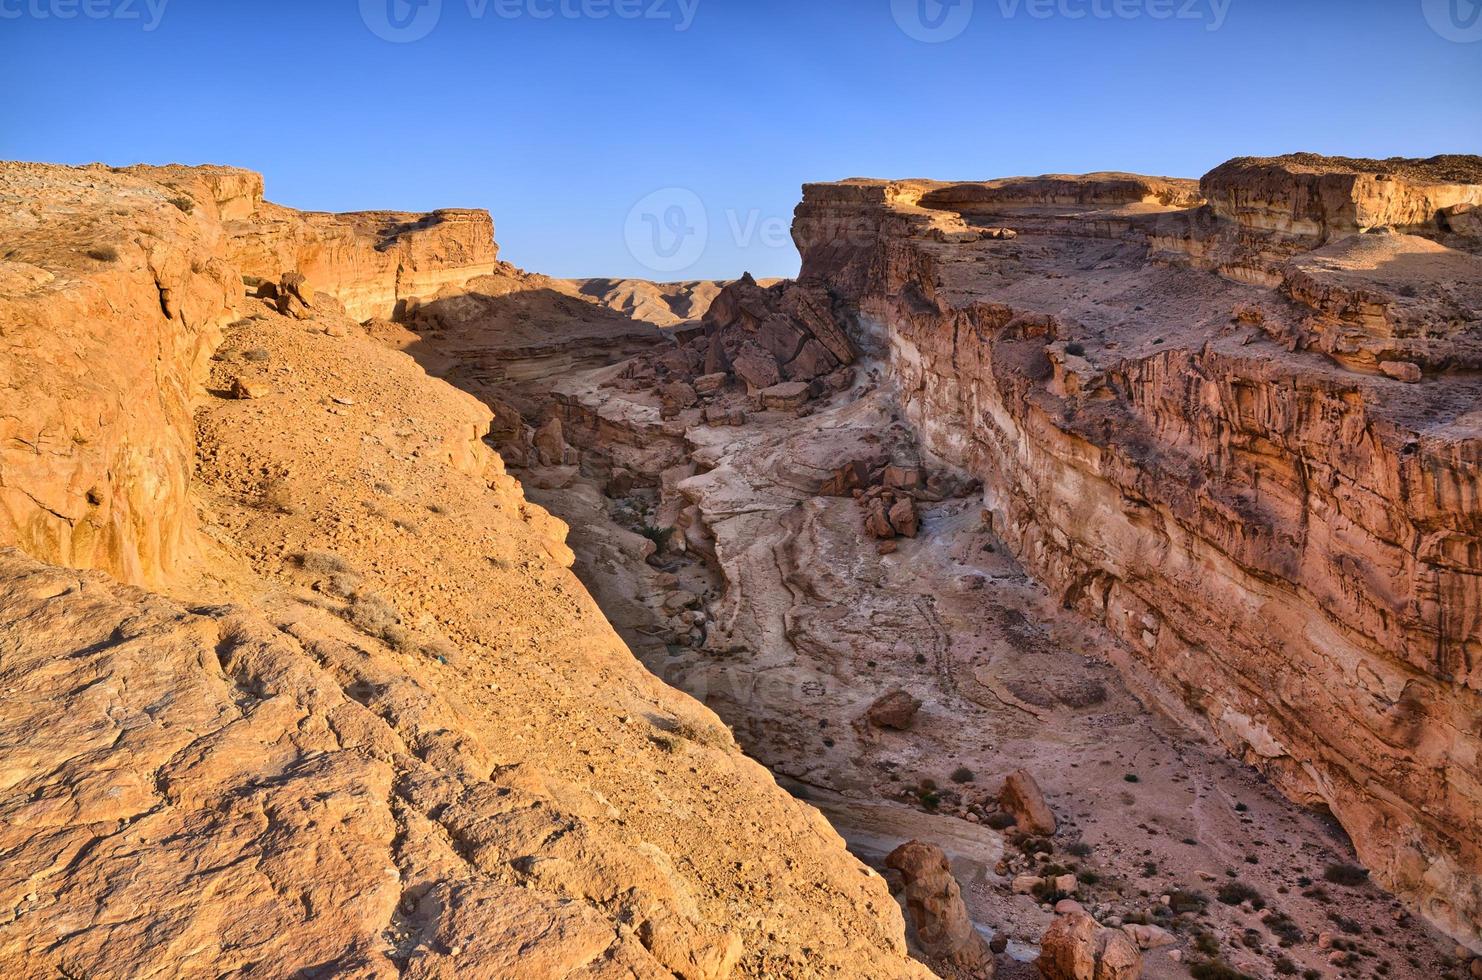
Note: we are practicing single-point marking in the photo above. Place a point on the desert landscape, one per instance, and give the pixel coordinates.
(1075, 576)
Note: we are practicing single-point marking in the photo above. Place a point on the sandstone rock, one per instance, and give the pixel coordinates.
(675, 397)
(1150, 937)
(786, 397)
(295, 296)
(894, 710)
(757, 368)
(1287, 231)
(1067, 884)
(1401, 371)
(247, 389)
(550, 443)
(1026, 884)
(709, 384)
(1463, 219)
(1021, 797)
(877, 520)
(812, 361)
(903, 518)
(939, 922)
(1076, 948)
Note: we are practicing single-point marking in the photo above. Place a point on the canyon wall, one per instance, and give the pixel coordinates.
(1270, 492)
(294, 680)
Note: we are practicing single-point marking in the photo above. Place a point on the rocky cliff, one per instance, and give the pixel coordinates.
(1242, 433)
(293, 678)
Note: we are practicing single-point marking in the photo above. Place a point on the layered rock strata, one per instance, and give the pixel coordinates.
(1237, 434)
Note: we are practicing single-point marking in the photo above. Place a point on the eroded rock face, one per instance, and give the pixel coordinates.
(368, 723)
(1290, 546)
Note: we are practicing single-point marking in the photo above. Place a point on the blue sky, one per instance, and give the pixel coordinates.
(561, 115)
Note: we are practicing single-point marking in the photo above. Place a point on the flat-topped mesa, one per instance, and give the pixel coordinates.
(1077, 190)
(1253, 453)
(1327, 197)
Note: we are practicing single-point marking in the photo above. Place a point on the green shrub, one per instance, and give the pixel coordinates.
(183, 203)
(962, 774)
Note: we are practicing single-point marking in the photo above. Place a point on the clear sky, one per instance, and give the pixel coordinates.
(565, 117)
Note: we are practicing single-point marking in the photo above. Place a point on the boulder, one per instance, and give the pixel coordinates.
(550, 443)
(877, 521)
(1401, 371)
(904, 519)
(786, 397)
(709, 384)
(895, 710)
(1022, 797)
(1076, 948)
(1149, 937)
(937, 921)
(1026, 884)
(757, 368)
(295, 296)
(813, 361)
(675, 397)
(247, 389)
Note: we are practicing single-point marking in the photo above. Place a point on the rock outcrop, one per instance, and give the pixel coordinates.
(1290, 544)
(361, 719)
(1076, 948)
(940, 927)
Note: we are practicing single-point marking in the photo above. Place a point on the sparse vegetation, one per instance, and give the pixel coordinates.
(103, 253)
(322, 563)
(658, 535)
(1001, 820)
(1216, 970)
(1236, 892)
(183, 203)
(1079, 849)
(1349, 875)
(1132, 777)
(369, 612)
(1075, 349)
(1287, 932)
(277, 496)
(1188, 902)
(962, 774)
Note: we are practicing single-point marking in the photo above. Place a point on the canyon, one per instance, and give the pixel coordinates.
(1076, 576)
